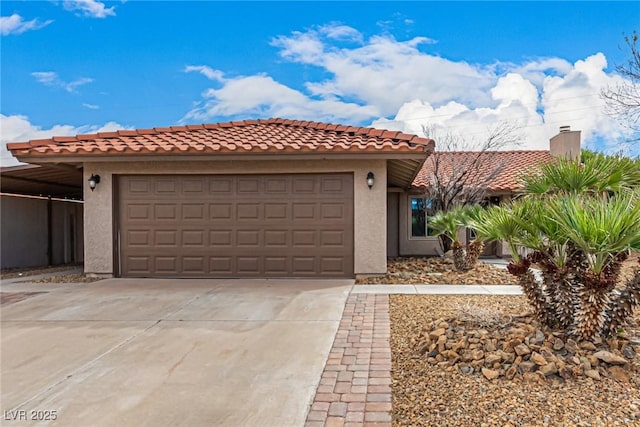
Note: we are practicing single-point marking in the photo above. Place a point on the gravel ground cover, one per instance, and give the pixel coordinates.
(12, 273)
(434, 270)
(443, 394)
(66, 278)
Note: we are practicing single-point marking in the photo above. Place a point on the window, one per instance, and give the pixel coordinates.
(421, 210)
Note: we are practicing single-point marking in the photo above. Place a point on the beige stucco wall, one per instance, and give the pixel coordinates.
(413, 246)
(369, 205)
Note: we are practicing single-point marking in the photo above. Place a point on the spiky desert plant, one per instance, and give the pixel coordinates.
(511, 223)
(449, 224)
(604, 228)
(468, 219)
(579, 241)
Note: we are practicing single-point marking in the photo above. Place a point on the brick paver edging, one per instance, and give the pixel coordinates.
(355, 388)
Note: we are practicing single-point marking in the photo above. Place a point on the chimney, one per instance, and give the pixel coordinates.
(566, 144)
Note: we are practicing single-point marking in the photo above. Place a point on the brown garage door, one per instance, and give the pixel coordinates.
(236, 225)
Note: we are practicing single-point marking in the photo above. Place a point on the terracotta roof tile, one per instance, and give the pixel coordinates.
(249, 136)
(509, 166)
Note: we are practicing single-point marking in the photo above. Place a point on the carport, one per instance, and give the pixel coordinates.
(41, 214)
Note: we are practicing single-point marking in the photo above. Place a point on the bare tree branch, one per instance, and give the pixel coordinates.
(462, 170)
(623, 100)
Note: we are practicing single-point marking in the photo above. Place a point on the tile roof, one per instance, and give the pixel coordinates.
(269, 136)
(507, 166)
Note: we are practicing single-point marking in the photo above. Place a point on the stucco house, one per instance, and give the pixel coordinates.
(498, 171)
(253, 198)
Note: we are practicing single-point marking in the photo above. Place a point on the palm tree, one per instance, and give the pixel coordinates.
(580, 220)
(449, 224)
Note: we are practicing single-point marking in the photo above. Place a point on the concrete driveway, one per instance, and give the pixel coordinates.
(132, 352)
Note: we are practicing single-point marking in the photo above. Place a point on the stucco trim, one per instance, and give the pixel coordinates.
(369, 204)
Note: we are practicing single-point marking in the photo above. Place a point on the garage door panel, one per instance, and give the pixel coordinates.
(193, 238)
(221, 238)
(248, 238)
(221, 265)
(166, 264)
(304, 238)
(248, 264)
(276, 265)
(165, 212)
(236, 225)
(248, 185)
(278, 186)
(139, 212)
(276, 239)
(221, 211)
(194, 265)
(193, 211)
(248, 211)
(276, 211)
(166, 186)
(304, 211)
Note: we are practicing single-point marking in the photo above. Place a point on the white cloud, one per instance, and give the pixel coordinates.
(50, 78)
(341, 32)
(260, 95)
(571, 98)
(385, 72)
(397, 84)
(89, 8)
(206, 71)
(90, 106)
(18, 128)
(15, 24)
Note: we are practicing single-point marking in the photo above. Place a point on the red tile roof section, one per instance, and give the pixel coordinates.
(512, 164)
(248, 136)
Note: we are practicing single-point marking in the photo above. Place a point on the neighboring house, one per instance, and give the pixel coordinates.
(254, 198)
(40, 216)
(498, 171)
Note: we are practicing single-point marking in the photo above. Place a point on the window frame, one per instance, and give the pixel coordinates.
(410, 220)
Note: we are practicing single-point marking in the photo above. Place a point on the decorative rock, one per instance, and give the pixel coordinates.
(593, 374)
(492, 358)
(547, 354)
(477, 354)
(511, 372)
(490, 374)
(538, 359)
(566, 372)
(489, 346)
(442, 339)
(548, 369)
(466, 369)
(522, 349)
(571, 346)
(539, 339)
(586, 363)
(587, 345)
(436, 333)
(527, 367)
(610, 358)
(424, 349)
(628, 351)
(619, 374)
(558, 344)
(534, 377)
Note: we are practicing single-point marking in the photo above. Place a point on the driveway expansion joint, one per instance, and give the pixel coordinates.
(84, 367)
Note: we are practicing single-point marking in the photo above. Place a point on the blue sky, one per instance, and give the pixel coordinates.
(461, 68)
